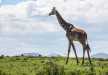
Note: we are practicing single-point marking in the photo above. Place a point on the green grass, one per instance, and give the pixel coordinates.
(50, 66)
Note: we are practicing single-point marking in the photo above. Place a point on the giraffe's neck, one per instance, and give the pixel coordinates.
(65, 25)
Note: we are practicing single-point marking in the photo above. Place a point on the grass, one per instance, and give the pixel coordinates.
(50, 66)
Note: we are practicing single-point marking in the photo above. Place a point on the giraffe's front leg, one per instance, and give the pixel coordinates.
(75, 51)
(69, 46)
(83, 55)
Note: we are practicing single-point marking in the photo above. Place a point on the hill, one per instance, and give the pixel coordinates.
(100, 55)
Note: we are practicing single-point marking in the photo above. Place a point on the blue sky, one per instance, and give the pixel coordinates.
(10, 1)
(26, 27)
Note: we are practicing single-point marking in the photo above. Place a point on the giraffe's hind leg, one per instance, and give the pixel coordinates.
(84, 49)
(89, 56)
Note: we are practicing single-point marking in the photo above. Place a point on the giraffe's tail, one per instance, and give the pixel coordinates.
(87, 47)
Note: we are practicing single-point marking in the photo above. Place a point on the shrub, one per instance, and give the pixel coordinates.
(2, 56)
(50, 68)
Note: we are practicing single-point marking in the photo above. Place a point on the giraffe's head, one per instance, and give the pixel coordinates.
(53, 11)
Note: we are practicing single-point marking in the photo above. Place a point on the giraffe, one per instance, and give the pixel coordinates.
(73, 34)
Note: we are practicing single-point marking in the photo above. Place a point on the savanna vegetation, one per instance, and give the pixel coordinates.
(50, 66)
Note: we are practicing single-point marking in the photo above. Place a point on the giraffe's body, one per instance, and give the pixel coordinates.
(73, 34)
(77, 34)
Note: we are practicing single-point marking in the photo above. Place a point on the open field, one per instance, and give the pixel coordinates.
(50, 66)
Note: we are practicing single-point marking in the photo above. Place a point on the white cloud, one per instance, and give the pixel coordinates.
(91, 10)
(13, 24)
(19, 10)
(18, 18)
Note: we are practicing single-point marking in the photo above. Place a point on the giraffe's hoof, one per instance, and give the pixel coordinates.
(66, 63)
(77, 63)
(82, 63)
(91, 63)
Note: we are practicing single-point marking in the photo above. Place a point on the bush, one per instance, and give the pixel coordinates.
(2, 56)
(50, 68)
